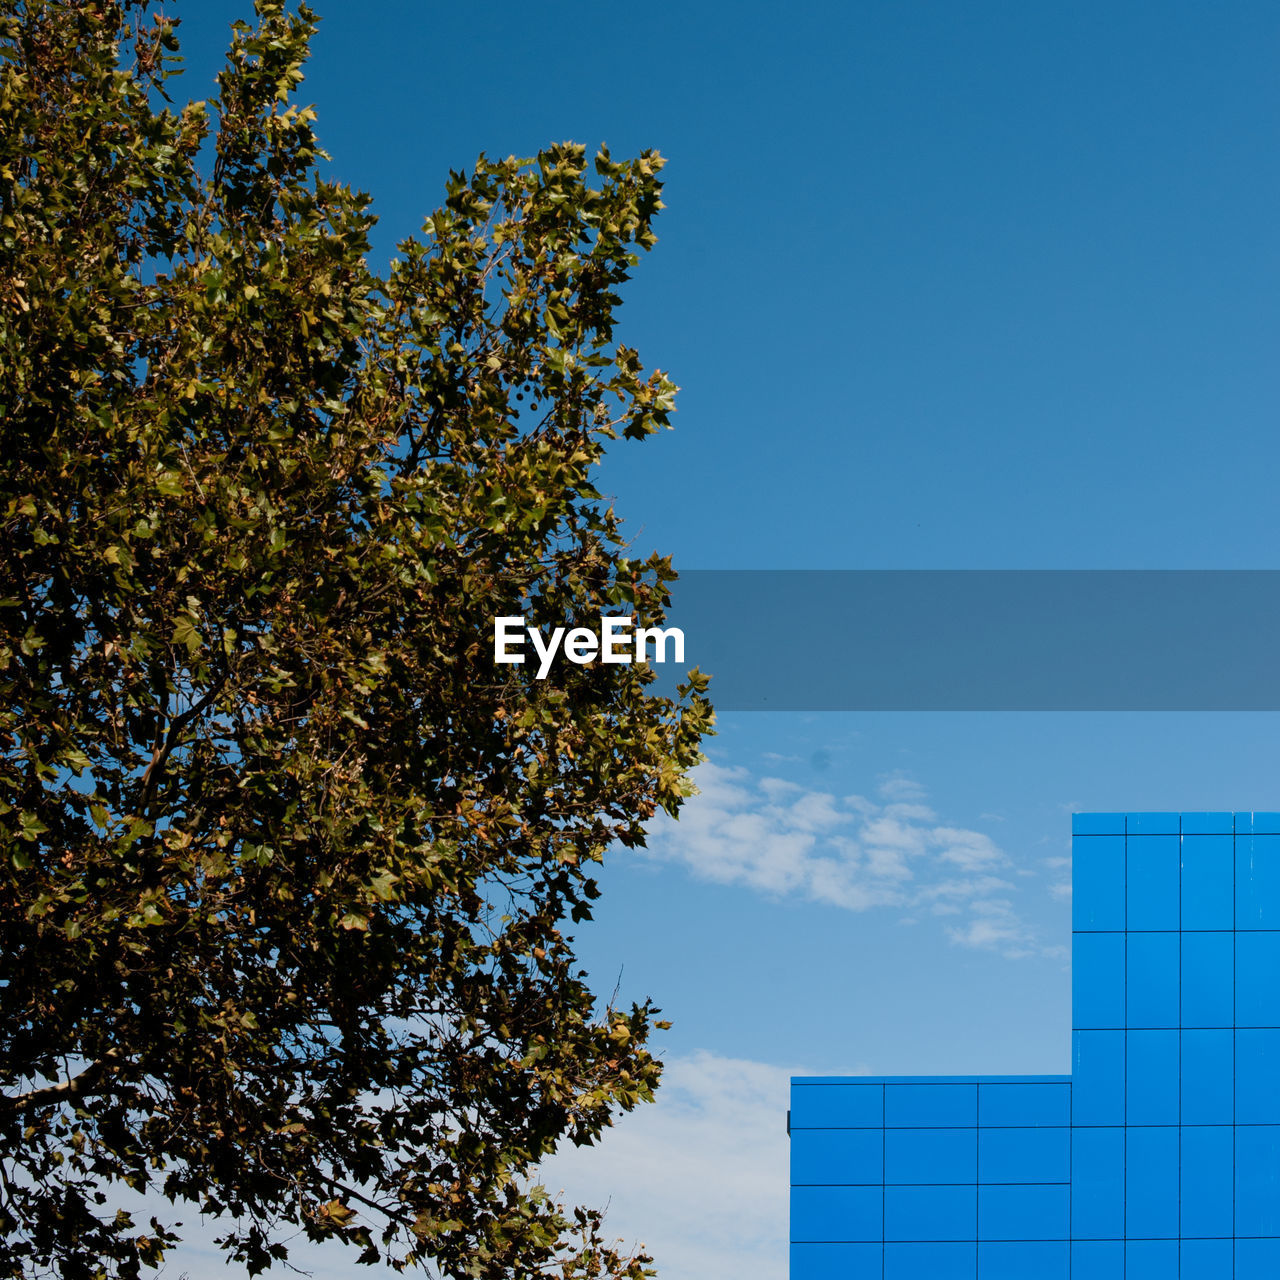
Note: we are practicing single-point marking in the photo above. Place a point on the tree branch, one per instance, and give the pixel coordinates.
(83, 1083)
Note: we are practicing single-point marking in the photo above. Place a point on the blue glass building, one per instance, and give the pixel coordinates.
(1157, 1158)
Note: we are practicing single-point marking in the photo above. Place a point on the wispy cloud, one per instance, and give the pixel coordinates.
(1061, 869)
(891, 852)
(700, 1177)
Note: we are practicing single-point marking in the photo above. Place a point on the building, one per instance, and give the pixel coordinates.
(1157, 1158)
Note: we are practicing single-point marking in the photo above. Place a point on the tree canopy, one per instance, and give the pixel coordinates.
(287, 861)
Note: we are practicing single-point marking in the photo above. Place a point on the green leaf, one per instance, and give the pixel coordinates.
(186, 634)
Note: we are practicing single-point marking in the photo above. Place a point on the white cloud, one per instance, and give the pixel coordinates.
(900, 786)
(198, 1256)
(847, 851)
(1060, 889)
(700, 1177)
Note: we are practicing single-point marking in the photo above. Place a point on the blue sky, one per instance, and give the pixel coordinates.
(944, 286)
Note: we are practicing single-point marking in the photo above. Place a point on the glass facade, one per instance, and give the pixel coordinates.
(1157, 1158)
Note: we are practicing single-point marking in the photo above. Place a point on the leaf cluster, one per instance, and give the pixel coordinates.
(286, 863)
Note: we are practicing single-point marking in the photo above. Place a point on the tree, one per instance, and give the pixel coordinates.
(287, 860)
